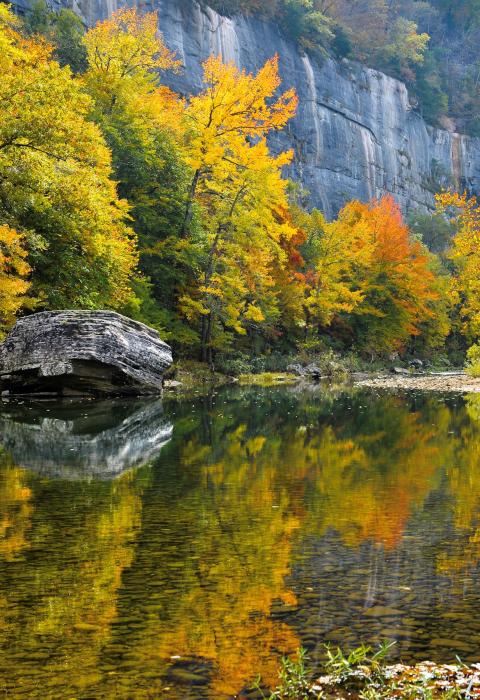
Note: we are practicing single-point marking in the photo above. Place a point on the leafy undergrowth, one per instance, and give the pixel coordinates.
(364, 674)
(195, 375)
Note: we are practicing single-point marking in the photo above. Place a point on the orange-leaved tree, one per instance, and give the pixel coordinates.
(370, 278)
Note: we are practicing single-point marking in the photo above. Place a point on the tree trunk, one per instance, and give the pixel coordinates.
(187, 219)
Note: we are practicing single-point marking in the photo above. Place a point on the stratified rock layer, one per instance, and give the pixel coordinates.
(355, 135)
(93, 353)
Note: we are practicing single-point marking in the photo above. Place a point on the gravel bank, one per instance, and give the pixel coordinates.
(448, 381)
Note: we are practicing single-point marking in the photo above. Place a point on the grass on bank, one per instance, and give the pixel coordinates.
(364, 674)
(267, 379)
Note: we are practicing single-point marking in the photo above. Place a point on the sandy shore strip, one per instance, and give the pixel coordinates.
(457, 382)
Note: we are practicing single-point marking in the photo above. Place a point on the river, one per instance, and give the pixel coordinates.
(179, 550)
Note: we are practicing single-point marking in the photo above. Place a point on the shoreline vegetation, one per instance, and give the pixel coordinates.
(192, 376)
(366, 673)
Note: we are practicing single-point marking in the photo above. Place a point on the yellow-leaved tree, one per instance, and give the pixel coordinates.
(233, 107)
(464, 212)
(238, 187)
(13, 275)
(465, 254)
(55, 184)
(142, 122)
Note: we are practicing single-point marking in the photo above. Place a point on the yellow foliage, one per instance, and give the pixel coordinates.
(13, 271)
(55, 166)
(128, 44)
(465, 254)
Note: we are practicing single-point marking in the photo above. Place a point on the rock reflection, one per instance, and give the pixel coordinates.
(82, 440)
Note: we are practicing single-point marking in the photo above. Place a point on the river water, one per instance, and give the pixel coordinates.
(178, 551)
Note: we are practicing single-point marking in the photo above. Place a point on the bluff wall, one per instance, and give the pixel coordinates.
(355, 134)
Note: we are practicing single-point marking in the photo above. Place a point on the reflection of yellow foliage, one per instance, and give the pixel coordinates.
(75, 582)
(464, 481)
(106, 554)
(15, 511)
(242, 550)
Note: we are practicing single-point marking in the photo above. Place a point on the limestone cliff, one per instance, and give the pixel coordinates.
(355, 134)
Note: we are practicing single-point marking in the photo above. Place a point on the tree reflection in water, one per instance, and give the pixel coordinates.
(271, 519)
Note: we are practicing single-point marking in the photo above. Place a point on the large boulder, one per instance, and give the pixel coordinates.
(82, 353)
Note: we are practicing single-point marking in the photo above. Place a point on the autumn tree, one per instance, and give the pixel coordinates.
(464, 213)
(368, 281)
(233, 107)
(237, 185)
(333, 260)
(55, 186)
(141, 120)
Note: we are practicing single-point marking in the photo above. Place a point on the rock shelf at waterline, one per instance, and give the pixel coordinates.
(82, 353)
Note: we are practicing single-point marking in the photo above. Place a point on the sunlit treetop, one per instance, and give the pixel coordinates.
(129, 44)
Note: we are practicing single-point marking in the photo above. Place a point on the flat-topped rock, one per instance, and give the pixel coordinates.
(82, 353)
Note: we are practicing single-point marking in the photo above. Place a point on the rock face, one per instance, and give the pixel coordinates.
(98, 441)
(355, 135)
(72, 353)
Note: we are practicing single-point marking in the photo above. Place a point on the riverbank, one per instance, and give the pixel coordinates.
(455, 382)
(195, 376)
(424, 680)
(365, 674)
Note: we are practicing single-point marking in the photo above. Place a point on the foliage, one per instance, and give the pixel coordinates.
(359, 664)
(369, 281)
(294, 682)
(55, 186)
(241, 195)
(434, 230)
(473, 360)
(63, 29)
(465, 256)
(13, 273)
(141, 122)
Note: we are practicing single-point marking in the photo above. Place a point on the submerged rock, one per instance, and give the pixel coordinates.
(82, 353)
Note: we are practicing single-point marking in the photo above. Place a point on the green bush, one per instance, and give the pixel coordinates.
(472, 366)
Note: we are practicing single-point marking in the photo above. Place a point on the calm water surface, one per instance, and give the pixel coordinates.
(178, 551)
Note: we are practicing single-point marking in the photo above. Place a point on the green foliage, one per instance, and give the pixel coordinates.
(359, 664)
(63, 29)
(294, 682)
(306, 23)
(434, 230)
(473, 360)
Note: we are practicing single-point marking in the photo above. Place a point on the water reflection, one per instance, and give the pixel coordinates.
(79, 440)
(271, 519)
